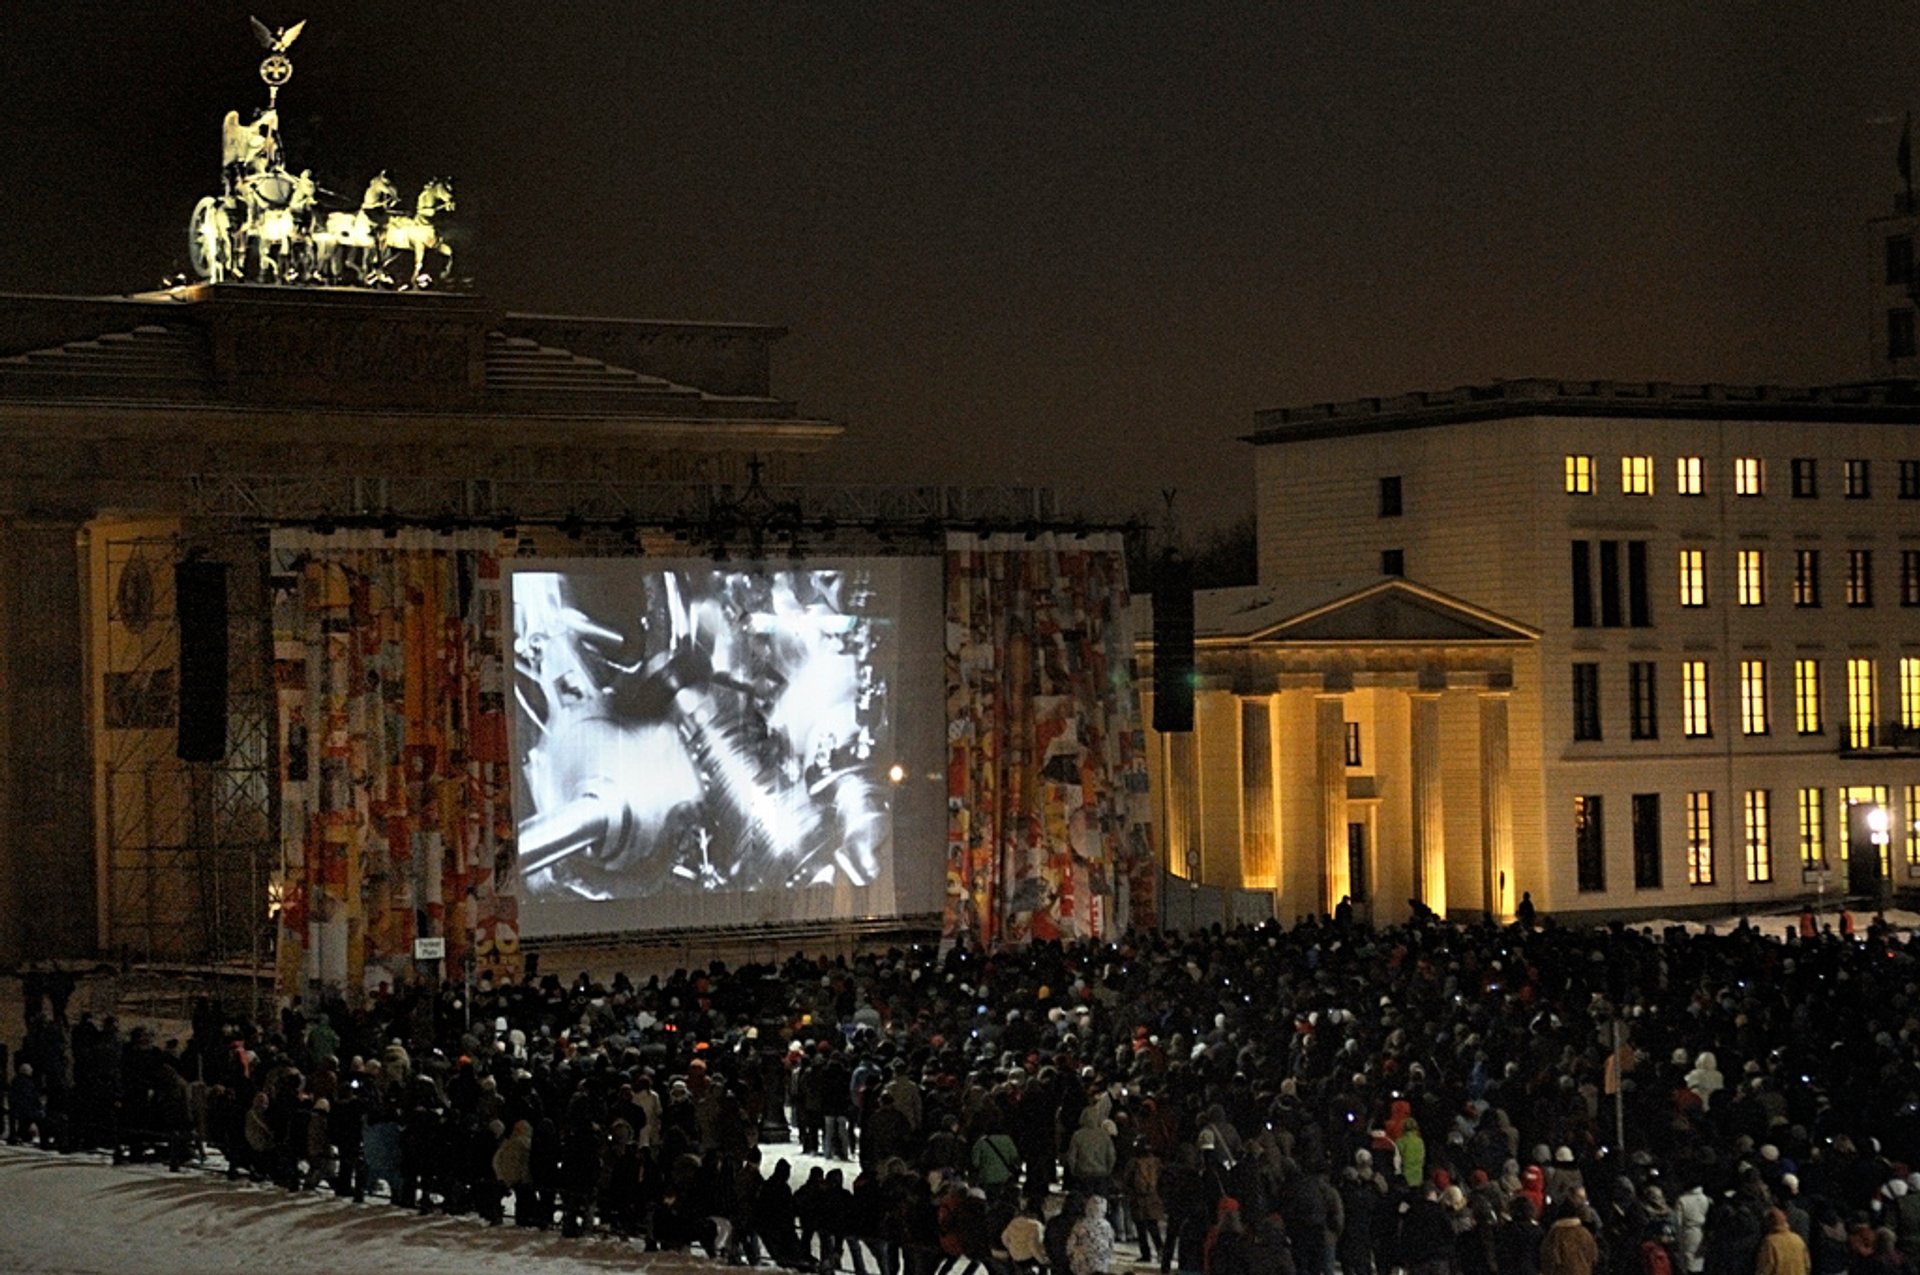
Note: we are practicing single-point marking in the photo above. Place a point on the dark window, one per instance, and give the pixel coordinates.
(1638, 614)
(1586, 701)
(1643, 701)
(1806, 577)
(1589, 843)
(1859, 480)
(1910, 577)
(1582, 585)
(1900, 333)
(1390, 496)
(1859, 577)
(1393, 562)
(1646, 841)
(1899, 260)
(1806, 478)
(1353, 743)
(1910, 480)
(1610, 584)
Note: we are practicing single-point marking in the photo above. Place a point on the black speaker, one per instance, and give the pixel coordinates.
(200, 601)
(1173, 645)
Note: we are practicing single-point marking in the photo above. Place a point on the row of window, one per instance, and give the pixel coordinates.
(1862, 812)
(1749, 477)
(1619, 569)
(1696, 700)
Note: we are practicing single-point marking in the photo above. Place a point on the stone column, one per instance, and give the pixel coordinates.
(1257, 854)
(1183, 803)
(1496, 807)
(47, 868)
(1429, 804)
(1330, 768)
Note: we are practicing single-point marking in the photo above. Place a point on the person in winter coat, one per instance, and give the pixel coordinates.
(1781, 1252)
(28, 1108)
(1568, 1248)
(319, 1145)
(1024, 1239)
(1705, 1079)
(513, 1169)
(1090, 1243)
(1690, 1228)
(1142, 1181)
(1090, 1154)
(1363, 1203)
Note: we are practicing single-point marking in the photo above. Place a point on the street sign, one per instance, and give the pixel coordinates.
(429, 949)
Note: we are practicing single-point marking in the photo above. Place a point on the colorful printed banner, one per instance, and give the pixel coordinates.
(393, 759)
(1048, 828)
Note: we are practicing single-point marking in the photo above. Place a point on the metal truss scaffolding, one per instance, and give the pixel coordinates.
(187, 848)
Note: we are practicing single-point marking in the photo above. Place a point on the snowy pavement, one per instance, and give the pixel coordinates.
(79, 1215)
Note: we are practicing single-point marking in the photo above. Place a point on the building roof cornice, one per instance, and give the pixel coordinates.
(1865, 402)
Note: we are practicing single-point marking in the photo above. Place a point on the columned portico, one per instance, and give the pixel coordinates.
(1369, 749)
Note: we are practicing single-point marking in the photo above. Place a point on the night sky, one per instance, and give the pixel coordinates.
(1063, 243)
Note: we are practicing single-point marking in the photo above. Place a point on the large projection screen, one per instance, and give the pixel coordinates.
(705, 744)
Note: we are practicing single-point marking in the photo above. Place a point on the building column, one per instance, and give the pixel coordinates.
(1429, 804)
(1496, 807)
(1257, 853)
(47, 857)
(1330, 768)
(1183, 805)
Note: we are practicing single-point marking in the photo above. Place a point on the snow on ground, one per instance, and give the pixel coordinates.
(80, 1215)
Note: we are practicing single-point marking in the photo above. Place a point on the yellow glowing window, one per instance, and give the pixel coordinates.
(1860, 703)
(1806, 697)
(1693, 577)
(1689, 477)
(1752, 576)
(1699, 838)
(1758, 803)
(1579, 475)
(1910, 692)
(1696, 722)
(1636, 475)
(1749, 476)
(1911, 809)
(1753, 697)
(1813, 842)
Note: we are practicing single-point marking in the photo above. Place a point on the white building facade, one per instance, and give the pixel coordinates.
(1634, 649)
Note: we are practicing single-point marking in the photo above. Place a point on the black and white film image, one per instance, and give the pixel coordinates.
(691, 729)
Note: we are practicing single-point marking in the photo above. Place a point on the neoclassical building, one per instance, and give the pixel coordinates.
(1636, 649)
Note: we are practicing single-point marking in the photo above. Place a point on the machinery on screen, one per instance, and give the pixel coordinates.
(693, 729)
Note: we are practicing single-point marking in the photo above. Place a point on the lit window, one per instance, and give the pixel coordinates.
(1353, 743)
(1753, 697)
(1910, 577)
(1912, 798)
(1696, 722)
(1758, 803)
(1910, 692)
(1699, 838)
(1859, 703)
(1859, 577)
(1636, 475)
(1752, 575)
(1644, 717)
(1806, 577)
(1689, 476)
(1693, 577)
(1589, 843)
(1806, 478)
(1749, 476)
(1858, 476)
(1586, 701)
(1910, 480)
(1813, 842)
(1806, 697)
(1580, 475)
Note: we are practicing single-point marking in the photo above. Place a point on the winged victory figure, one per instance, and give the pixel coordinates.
(276, 40)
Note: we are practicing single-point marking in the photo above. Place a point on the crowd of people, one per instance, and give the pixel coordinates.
(1433, 1098)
